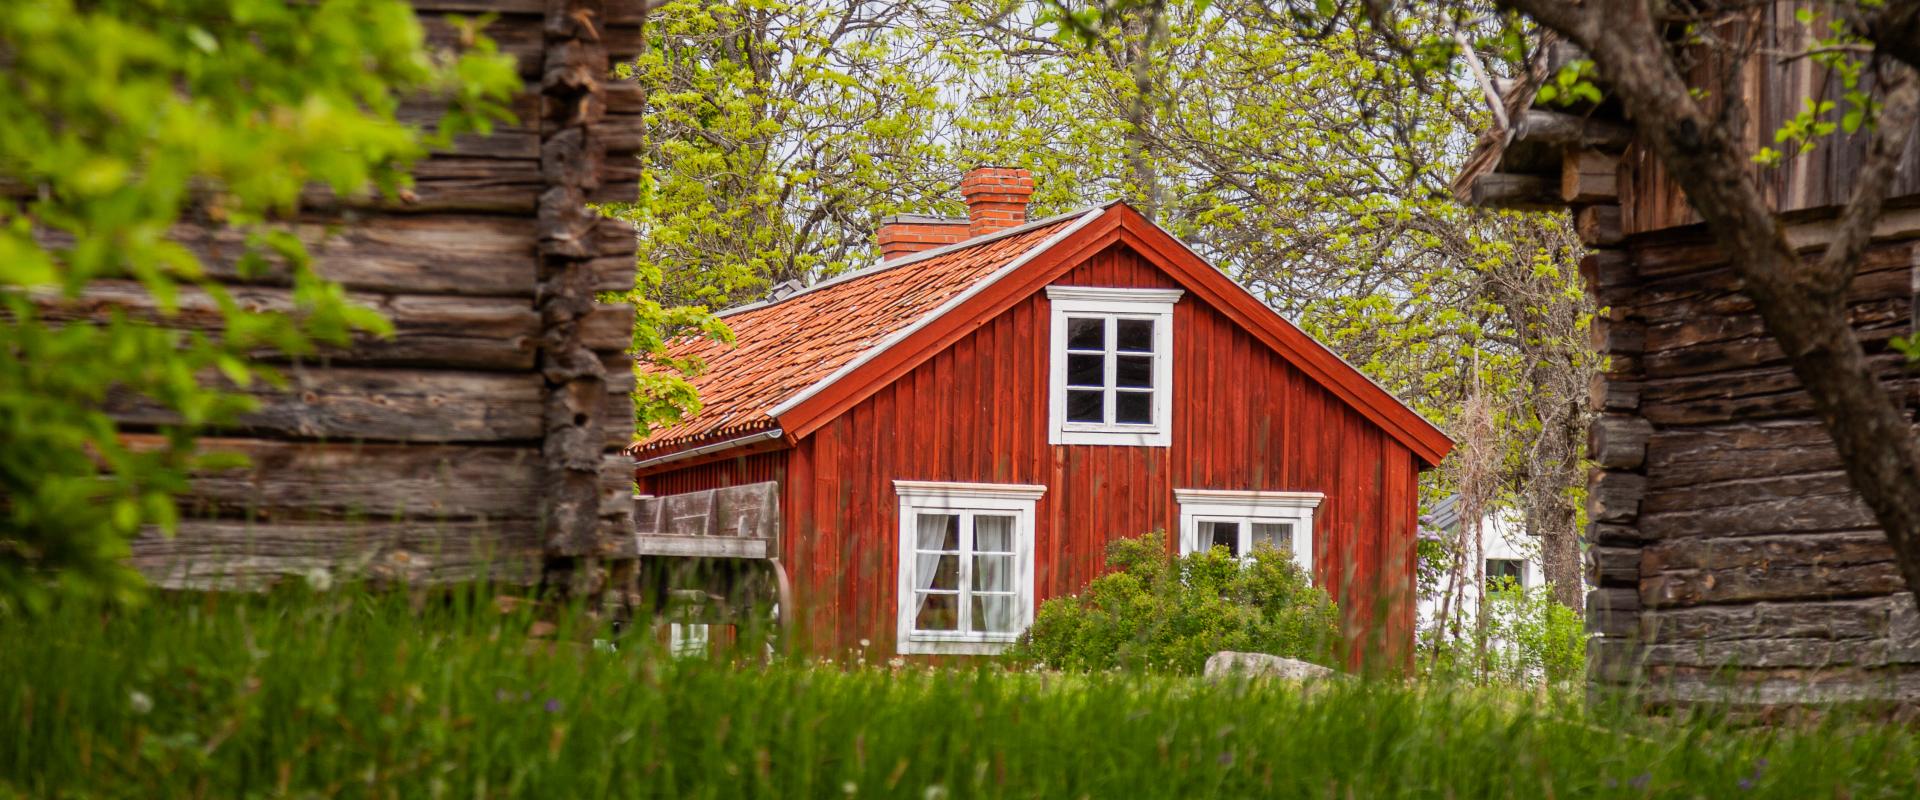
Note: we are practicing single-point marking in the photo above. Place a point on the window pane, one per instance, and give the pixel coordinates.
(1133, 408)
(1086, 333)
(1086, 370)
(993, 573)
(992, 533)
(1277, 535)
(1134, 335)
(938, 532)
(943, 572)
(1085, 407)
(938, 612)
(1221, 534)
(993, 613)
(1134, 371)
(1504, 573)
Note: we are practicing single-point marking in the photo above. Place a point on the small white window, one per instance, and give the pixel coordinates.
(1111, 366)
(1243, 521)
(1506, 573)
(687, 639)
(966, 565)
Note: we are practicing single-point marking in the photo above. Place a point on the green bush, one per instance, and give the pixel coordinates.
(1530, 638)
(1160, 613)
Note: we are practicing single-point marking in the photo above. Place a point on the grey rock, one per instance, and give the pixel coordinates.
(1260, 665)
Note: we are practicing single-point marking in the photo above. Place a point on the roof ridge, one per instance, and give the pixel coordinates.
(884, 266)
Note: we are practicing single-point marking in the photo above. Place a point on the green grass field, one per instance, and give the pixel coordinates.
(360, 695)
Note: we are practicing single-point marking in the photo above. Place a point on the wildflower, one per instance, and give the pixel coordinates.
(934, 792)
(554, 705)
(319, 579)
(850, 788)
(865, 643)
(1641, 781)
(1745, 784)
(140, 702)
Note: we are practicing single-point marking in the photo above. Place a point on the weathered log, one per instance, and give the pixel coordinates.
(304, 481)
(228, 554)
(1614, 496)
(1612, 566)
(1567, 130)
(1613, 660)
(355, 404)
(1598, 225)
(1613, 612)
(1604, 270)
(1607, 393)
(1608, 534)
(1776, 504)
(1618, 441)
(522, 42)
(1685, 457)
(518, 138)
(1863, 618)
(461, 332)
(448, 183)
(1748, 394)
(1761, 553)
(1617, 337)
(1511, 190)
(1769, 688)
(1588, 176)
(1771, 652)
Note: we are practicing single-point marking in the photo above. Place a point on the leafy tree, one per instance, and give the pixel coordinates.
(121, 118)
(1156, 612)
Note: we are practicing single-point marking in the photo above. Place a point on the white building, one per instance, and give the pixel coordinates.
(1511, 555)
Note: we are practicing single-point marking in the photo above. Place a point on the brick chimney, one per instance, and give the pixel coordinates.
(902, 235)
(996, 198)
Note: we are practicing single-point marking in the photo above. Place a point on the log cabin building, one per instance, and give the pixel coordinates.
(1731, 559)
(485, 436)
(954, 435)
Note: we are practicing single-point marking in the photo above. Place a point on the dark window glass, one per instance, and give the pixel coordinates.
(949, 538)
(938, 612)
(1505, 573)
(1085, 407)
(1086, 370)
(1086, 334)
(993, 613)
(1133, 408)
(1134, 371)
(1222, 534)
(1135, 335)
(946, 573)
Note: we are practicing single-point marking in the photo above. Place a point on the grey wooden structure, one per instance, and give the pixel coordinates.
(485, 436)
(1732, 559)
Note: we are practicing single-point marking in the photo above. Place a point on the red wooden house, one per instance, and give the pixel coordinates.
(957, 433)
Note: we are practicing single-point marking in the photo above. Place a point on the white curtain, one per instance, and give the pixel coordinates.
(930, 535)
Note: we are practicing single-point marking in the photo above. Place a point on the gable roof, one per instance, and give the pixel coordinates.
(802, 360)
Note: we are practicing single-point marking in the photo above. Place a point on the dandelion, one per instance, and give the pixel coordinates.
(319, 579)
(850, 788)
(140, 702)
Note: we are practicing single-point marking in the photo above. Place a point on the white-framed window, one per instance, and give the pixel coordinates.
(1111, 366)
(1242, 521)
(966, 565)
(688, 639)
(1506, 573)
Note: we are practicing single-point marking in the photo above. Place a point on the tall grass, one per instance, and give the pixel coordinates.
(362, 695)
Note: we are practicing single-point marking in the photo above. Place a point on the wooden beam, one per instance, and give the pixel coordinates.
(698, 546)
(1514, 190)
(1589, 176)
(1555, 128)
(1598, 226)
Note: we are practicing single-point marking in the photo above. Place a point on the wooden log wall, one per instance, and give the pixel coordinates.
(485, 436)
(1730, 558)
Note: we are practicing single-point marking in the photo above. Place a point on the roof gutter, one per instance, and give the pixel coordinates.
(681, 455)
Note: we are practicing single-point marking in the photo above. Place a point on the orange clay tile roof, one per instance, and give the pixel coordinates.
(784, 346)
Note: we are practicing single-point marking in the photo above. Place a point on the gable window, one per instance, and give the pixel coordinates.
(1111, 366)
(966, 565)
(1244, 521)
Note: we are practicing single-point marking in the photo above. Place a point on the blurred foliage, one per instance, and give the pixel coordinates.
(120, 119)
(1529, 639)
(1156, 612)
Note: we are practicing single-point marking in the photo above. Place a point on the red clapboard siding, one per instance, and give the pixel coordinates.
(1244, 418)
(756, 468)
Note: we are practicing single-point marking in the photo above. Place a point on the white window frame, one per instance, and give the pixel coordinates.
(1248, 507)
(1018, 500)
(1112, 303)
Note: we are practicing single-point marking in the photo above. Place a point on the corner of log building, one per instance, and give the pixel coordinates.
(484, 437)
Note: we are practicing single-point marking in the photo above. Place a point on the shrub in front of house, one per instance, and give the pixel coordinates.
(1155, 612)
